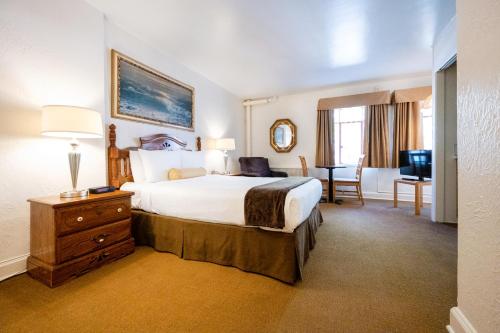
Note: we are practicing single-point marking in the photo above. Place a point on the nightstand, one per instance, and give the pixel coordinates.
(70, 237)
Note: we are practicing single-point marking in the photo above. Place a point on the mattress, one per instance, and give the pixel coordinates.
(219, 199)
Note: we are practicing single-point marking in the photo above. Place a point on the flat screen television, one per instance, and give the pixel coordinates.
(416, 163)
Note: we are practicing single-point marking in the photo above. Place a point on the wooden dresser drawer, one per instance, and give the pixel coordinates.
(71, 236)
(77, 244)
(87, 216)
(56, 275)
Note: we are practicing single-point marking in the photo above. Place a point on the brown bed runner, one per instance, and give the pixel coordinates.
(265, 204)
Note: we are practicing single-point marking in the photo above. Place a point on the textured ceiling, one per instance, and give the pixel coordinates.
(257, 48)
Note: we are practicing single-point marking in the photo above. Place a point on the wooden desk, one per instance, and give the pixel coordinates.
(419, 193)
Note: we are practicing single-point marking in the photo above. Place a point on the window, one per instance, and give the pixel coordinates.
(426, 110)
(349, 130)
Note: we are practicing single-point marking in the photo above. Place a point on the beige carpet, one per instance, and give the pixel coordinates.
(375, 269)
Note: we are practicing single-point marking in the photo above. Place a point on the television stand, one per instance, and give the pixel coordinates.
(420, 179)
(419, 195)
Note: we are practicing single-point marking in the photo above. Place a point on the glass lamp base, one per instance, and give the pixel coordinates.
(75, 194)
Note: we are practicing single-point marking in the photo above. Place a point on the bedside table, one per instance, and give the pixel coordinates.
(70, 237)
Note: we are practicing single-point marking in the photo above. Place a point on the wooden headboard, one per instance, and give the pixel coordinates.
(119, 170)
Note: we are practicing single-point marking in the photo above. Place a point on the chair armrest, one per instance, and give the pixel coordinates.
(278, 174)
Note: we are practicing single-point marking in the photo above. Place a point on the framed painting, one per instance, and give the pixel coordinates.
(140, 93)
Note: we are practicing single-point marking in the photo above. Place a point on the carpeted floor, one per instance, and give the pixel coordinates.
(374, 269)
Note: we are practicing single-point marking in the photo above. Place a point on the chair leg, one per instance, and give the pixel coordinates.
(360, 195)
(334, 189)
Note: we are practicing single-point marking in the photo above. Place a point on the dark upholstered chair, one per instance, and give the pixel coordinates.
(258, 167)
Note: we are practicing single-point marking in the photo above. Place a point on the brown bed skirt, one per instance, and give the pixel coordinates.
(276, 254)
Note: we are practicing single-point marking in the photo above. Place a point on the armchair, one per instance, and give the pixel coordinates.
(258, 167)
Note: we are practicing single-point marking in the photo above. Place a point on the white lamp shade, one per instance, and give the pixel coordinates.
(71, 122)
(225, 144)
(210, 143)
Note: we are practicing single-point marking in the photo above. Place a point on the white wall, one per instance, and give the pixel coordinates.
(478, 167)
(57, 52)
(444, 47)
(301, 109)
(48, 55)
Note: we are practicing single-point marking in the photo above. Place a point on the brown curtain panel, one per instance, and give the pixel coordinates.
(325, 148)
(374, 98)
(407, 129)
(412, 94)
(376, 142)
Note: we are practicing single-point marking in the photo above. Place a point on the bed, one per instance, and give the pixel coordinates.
(203, 218)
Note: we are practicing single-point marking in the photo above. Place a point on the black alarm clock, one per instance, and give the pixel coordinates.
(101, 189)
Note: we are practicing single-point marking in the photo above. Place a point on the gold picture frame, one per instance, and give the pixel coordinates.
(156, 98)
(277, 135)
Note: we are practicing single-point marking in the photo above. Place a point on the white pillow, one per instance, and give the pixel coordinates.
(137, 167)
(157, 163)
(193, 159)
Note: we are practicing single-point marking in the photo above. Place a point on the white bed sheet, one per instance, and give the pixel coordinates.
(219, 199)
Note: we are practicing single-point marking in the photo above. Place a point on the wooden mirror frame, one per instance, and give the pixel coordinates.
(293, 129)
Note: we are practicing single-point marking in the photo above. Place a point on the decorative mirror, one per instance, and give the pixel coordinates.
(283, 135)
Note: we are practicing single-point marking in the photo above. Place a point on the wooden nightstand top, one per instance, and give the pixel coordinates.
(56, 201)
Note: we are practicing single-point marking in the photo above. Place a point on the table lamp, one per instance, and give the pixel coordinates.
(75, 123)
(225, 144)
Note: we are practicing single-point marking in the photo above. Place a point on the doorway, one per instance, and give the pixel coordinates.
(445, 144)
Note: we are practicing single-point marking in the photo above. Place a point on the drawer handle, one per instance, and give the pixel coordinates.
(103, 256)
(119, 210)
(79, 218)
(100, 238)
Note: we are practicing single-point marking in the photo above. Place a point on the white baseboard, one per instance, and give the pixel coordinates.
(390, 196)
(13, 266)
(459, 323)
